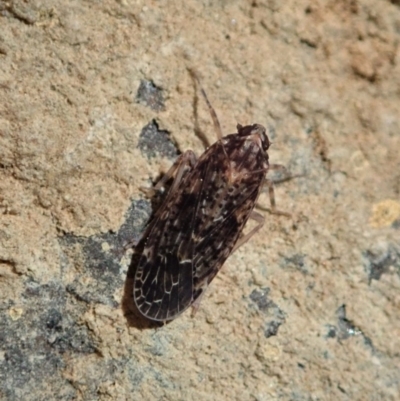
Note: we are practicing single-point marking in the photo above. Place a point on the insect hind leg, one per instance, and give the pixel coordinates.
(260, 219)
(196, 303)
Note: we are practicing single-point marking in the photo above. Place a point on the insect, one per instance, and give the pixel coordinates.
(201, 220)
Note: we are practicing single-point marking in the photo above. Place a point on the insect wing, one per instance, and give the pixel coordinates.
(225, 202)
(194, 232)
(163, 286)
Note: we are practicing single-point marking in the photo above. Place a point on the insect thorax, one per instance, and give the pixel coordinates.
(247, 151)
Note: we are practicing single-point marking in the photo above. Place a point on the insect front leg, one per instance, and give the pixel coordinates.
(183, 164)
(260, 219)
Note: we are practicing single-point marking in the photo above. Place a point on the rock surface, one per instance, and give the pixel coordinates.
(309, 309)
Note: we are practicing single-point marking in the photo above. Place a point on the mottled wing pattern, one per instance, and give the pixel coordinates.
(196, 228)
(224, 206)
(163, 285)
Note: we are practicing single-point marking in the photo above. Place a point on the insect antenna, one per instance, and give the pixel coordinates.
(217, 125)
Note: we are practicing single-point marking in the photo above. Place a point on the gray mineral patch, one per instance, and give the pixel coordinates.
(154, 142)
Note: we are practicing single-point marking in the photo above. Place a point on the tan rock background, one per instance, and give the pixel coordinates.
(309, 308)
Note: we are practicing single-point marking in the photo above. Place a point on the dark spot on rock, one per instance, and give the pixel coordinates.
(100, 274)
(150, 95)
(155, 142)
(275, 315)
(296, 261)
(379, 261)
(345, 328)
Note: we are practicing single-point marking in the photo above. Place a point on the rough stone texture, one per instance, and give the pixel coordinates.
(309, 309)
(151, 96)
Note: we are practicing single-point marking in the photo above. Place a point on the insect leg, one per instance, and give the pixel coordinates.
(217, 125)
(279, 167)
(182, 165)
(259, 218)
(269, 185)
(196, 304)
(287, 175)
